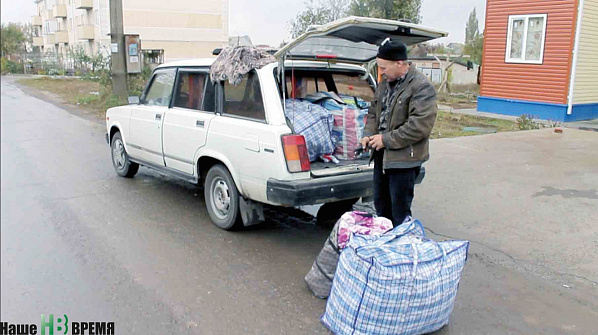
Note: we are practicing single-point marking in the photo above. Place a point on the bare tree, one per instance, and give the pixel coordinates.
(315, 13)
(337, 9)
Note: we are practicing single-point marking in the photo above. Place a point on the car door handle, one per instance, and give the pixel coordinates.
(199, 123)
(158, 117)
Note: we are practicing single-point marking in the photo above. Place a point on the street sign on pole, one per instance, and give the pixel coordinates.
(133, 49)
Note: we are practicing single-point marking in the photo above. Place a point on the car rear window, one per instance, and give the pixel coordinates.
(308, 82)
(353, 86)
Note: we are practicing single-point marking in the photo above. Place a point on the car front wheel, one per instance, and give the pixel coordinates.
(120, 159)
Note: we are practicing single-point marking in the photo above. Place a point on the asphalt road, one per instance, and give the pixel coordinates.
(77, 239)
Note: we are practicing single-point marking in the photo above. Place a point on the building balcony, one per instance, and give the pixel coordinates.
(36, 20)
(38, 41)
(59, 11)
(50, 39)
(84, 4)
(62, 36)
(86, 32)
(48, 15)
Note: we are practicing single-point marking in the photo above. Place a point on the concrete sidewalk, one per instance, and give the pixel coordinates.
(474, 112)
(529, 195)
(591, 125)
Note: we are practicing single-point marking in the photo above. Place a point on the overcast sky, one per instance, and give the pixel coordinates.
(266, 21)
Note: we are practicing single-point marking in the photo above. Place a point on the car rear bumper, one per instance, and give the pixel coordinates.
(326, 189)
(321, 190)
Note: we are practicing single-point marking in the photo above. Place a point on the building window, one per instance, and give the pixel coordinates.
(525, 39)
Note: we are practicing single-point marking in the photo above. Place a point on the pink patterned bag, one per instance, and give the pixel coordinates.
(361, 223)
(319, 278)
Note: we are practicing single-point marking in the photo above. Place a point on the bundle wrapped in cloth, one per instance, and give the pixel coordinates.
(233, 63)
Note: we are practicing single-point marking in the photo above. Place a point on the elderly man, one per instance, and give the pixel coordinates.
(399, 123)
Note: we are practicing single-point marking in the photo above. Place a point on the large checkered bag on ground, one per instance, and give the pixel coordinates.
(398, 283)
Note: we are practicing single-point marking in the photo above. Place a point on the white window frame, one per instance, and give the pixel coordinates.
(525, 18)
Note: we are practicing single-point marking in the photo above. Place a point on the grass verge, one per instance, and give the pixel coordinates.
(86, 94)
(452, 125)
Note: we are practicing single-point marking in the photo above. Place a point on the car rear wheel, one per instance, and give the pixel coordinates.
(222, 198)
(120, 159)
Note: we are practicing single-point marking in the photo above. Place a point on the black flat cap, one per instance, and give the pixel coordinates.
(392, 50)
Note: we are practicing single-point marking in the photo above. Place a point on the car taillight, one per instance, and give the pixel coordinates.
(295, 152)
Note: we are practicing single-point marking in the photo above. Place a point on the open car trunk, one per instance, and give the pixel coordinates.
(352, 40)
(345, 94)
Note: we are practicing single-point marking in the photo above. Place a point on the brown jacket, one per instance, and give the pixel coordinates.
(411, 119)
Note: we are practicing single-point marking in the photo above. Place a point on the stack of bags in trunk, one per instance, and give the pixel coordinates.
(315, 123)
(349, 120)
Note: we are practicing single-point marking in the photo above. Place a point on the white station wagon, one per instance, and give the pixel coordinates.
(236, 140)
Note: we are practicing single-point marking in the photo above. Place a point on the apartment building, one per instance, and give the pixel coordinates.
(181, 28)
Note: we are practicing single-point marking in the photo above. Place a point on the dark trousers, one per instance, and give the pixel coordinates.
(393, 191)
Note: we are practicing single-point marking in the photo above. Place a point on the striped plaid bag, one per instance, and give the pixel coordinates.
(397, 283)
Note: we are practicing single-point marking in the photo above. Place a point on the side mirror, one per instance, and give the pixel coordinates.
(133, 100)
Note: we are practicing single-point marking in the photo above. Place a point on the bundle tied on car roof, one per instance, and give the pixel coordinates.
(233, 63)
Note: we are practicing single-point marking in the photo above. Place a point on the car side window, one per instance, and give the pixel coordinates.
(191, 87)
(244, 100)
(160, 90)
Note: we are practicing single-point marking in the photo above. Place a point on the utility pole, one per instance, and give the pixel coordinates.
(118, 59)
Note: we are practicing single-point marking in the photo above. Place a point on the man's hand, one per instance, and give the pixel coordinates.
(364, 142)
(376, 142)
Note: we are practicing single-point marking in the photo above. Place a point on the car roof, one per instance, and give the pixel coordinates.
(197, 62)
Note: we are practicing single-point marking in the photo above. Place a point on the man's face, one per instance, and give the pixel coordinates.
(391, 70)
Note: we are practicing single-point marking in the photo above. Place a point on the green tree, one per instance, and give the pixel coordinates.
(319, 12)
(360, 8)
(471, 27)
(388, 9)
(475, 49)
(474, 41)
(12, 38)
